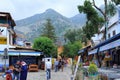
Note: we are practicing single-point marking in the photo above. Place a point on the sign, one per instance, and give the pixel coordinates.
(3, 35)
(3, 40)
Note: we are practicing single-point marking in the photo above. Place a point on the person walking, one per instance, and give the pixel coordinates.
(16, 71)
(56, 65)
(59, 64)
(62, 64)
(24, 70)
(48, 69)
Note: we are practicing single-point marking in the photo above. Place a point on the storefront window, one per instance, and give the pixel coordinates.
(114, 32)
(119, 12)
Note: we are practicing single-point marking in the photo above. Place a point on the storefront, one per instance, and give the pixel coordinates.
(30, 56)
(84, 53)
(109, 47)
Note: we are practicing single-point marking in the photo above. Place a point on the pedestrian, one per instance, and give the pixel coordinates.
(16, 71)
(9, 74)
(24, 70)
(48, 69)
(62, 64)
(59, 64)
(56, 65)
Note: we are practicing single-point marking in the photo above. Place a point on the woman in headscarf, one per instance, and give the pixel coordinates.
(24, 69)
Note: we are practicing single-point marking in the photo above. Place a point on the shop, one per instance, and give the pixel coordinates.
(109, 48)
(108, 57)
(84, 54)
(30, 56)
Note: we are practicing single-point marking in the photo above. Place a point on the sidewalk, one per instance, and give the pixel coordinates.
(41, 75)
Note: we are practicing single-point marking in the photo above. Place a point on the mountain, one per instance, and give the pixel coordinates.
(31, 27)
(79, 19)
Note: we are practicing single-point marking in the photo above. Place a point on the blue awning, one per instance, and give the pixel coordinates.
(23, 53)
(110, 45)
(116, 37)
(83, 50)
(94, 51)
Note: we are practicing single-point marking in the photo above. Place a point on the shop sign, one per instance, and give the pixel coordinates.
(3, 35)
(3, 40)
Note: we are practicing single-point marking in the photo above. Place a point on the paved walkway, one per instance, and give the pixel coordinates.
(41, 75)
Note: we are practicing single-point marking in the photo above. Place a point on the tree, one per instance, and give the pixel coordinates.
(71, 49)
(49, 30)
(46, 45)
(109, 10)
(81, 36)
(116, 1)
(94, 21)
(70, 35)
(76, 35)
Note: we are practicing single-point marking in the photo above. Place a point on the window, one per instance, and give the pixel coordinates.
(118, 12)
(109, 35)
(114, 32)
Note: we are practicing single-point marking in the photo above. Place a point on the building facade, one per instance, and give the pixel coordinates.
(109, 46)
(7, 36)
(113, 28)
(23, 51)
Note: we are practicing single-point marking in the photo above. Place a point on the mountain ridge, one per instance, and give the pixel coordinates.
(33, 25)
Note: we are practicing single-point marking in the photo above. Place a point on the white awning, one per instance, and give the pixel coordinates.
(110, 45)
(17, 53)
(94, 51)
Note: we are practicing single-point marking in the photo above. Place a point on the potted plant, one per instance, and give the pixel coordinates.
(93, 70)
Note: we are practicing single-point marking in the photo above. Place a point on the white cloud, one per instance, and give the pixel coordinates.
(25, 8)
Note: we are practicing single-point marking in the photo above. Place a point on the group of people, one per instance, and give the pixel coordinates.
(20, 71)
(59, 64)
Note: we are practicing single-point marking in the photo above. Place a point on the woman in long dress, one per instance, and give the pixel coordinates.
(24, 70)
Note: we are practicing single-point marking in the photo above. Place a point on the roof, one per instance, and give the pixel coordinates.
(108, 41)
(84, 49)
(17, 51)
(23, 48)
(8, 16)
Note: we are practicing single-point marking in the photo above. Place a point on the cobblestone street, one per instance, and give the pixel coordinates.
(41, 75)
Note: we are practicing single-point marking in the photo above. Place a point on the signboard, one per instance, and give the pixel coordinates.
(3, 35)
(3, 40)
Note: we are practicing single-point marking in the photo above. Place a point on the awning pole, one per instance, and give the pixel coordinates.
(76, 68)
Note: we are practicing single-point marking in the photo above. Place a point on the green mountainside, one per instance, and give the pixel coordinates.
(31, 27)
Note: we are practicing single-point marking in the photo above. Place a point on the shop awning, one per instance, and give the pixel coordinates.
(110, 45)
(20, 53)
(83, 50)
(93, 51)
(114, 38)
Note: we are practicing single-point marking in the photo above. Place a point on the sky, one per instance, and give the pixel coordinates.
(20, 9)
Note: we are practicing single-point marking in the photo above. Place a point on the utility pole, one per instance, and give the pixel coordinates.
(106, 19)
(5, 57)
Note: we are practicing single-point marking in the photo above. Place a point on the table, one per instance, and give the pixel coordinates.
(110, 73)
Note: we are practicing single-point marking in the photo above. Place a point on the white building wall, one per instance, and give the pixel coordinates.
(113, 19)
(97, 38)
(116, 28)
(116, 18)
(2, 47)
